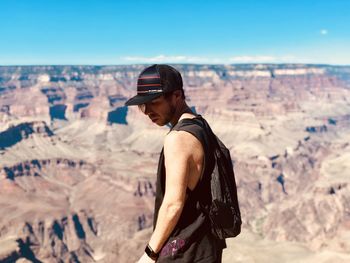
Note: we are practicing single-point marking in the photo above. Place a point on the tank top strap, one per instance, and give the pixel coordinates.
(195, 126)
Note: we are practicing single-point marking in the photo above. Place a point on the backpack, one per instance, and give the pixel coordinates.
(223, 210)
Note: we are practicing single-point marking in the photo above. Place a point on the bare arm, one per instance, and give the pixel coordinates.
(178, 151)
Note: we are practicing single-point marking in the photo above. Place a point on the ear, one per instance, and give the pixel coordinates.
(177, 94)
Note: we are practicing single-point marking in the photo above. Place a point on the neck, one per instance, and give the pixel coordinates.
(179, 112)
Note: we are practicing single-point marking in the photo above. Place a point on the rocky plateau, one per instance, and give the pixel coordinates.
(77, 168)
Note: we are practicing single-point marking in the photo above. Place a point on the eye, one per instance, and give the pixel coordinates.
(156, 101)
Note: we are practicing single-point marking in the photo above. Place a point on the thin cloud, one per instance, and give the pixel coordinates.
(324, 32)
(163, 58)
(251, 59)
(215, 60)
(262, 59)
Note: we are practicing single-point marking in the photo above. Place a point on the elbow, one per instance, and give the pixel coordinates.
(173, 209)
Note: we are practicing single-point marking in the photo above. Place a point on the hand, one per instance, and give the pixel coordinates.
(145, 259)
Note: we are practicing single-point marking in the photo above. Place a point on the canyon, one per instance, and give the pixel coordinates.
(77, 167)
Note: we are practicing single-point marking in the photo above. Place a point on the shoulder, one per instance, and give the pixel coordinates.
(181, 141)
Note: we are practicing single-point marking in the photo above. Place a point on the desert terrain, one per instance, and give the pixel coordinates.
(77, 168)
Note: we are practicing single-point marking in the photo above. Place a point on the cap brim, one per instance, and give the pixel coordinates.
(141, 99)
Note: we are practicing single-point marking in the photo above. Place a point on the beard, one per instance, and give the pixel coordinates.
(167, 116)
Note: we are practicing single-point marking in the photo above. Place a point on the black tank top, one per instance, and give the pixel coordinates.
(191, 240)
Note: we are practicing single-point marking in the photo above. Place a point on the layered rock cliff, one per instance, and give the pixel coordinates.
(77, 168)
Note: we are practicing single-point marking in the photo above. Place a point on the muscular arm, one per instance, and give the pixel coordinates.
(179, 149)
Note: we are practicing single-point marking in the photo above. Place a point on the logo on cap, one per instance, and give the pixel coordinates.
(149, 81)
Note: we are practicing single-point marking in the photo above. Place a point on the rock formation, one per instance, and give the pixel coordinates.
(77, 168)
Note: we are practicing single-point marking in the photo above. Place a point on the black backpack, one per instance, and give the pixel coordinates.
(223, 211)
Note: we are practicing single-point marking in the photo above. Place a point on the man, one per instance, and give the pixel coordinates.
(181, 229)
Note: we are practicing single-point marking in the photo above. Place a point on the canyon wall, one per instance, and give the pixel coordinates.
(77, 167)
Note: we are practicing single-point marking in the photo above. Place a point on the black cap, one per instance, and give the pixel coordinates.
(154, 81)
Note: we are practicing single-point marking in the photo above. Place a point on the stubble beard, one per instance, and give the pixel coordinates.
(169, 115)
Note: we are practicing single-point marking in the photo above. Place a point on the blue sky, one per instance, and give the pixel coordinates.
(178, 31)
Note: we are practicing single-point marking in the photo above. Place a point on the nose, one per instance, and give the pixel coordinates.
(144, 108)
(147, 109)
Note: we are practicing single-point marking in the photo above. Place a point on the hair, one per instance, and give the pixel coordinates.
(167, 95)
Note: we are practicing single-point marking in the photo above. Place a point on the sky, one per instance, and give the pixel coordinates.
(112, 32)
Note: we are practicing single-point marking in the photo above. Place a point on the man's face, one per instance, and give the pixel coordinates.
(159, 110)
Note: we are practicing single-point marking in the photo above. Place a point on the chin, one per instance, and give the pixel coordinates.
(160, 123)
